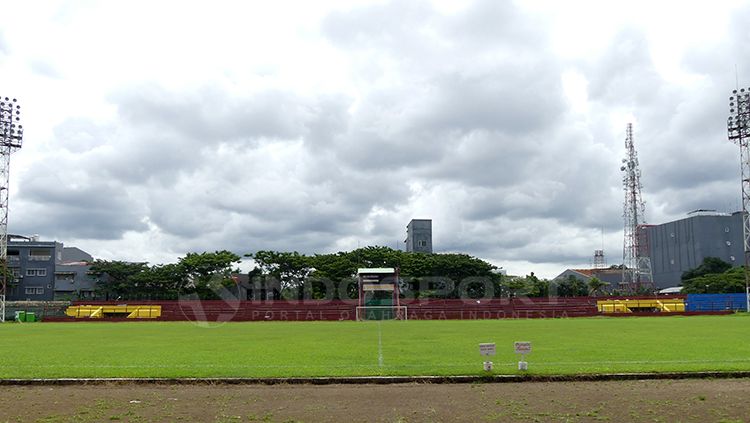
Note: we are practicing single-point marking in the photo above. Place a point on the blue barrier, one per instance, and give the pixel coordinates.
(716, 302)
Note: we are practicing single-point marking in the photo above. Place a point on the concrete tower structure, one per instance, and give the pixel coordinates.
(419, 236)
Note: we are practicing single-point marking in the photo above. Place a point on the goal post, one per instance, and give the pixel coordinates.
(388, 312)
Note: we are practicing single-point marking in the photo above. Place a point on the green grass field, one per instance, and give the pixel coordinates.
(279, 349)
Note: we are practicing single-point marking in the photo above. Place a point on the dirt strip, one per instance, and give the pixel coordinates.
(690, 400)
(379, 380)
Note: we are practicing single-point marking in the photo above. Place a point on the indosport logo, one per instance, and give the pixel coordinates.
(220, 304)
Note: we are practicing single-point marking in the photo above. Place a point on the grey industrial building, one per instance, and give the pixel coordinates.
(419, 236)
(681, 245)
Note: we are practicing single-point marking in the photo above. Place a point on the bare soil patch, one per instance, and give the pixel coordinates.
(628, 401)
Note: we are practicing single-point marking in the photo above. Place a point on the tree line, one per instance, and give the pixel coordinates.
(292, 275)
(714, 276)
(199, 274)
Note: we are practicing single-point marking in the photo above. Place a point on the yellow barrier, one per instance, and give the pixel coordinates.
(128, 311)
(671, 305)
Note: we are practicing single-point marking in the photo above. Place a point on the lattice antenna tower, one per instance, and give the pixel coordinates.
(636, 272)
(738, 128)
(599, 262)
(11, 137)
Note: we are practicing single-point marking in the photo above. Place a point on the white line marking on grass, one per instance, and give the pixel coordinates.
(380, 345)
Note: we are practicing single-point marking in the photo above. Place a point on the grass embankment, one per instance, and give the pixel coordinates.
(285, 349)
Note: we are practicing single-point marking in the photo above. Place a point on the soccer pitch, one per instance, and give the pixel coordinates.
(288, 349)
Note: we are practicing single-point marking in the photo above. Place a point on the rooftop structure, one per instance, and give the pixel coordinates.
(419, 236)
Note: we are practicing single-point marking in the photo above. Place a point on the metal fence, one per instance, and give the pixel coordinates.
(41, 309)
(716, 302)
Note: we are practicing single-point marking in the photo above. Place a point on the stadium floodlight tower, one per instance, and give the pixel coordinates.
(11, 137)
(738, 128)
(636, 272)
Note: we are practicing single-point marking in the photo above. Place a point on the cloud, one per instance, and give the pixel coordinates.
(372, 115)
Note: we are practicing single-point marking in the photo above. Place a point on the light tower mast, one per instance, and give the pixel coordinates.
(738, 128)
(636, 272)
(11, 137)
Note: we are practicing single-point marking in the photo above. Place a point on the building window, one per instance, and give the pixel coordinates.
(15, 271)
(34, 290)
(37, 254)
(64, 276)
(726, 229)
(729, 243)
(421, 243)
(36, 272)
(731, 258)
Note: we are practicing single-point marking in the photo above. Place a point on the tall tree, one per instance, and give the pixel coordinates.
(709, 265)
(290, 269)
(207, 273)
(571, 287)
(730, 281)
(114, 279)
(160, 282)
(596, 286)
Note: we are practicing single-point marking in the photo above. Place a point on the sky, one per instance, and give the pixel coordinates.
(157, 128)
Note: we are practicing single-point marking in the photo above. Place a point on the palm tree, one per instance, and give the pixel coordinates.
(596, 285)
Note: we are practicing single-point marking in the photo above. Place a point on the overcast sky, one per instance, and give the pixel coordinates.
(157, 128)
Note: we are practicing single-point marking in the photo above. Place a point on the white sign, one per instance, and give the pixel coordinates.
(522, 347)
(487, 349)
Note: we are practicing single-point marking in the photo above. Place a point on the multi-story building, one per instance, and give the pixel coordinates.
(47, 270)
(676, 247)
(419, 236)
(32, 264)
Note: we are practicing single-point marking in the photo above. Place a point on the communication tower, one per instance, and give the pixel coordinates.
(738, 128)
(636, 272)
(11, 137)
(599, 262)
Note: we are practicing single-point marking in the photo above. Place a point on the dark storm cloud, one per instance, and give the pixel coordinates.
(53, 204)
